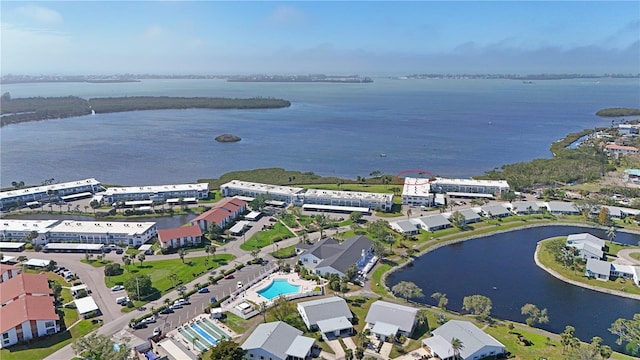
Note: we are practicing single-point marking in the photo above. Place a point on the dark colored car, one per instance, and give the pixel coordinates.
(203, 290)
(119, 251)
(167, 311)
(139, 325)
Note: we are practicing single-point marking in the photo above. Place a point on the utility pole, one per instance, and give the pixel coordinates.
(138, 287)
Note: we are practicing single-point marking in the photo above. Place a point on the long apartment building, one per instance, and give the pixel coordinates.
(251, 189)
(348, 198)
(158, 193)
(417, 192)
(442, 185)
(76, 231)
(48, 192)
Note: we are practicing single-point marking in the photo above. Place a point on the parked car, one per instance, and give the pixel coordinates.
(180, 288)
(175, 307)
(167, 310)
(117, 288)
(182, 302)
(119, 251)
(138, 325)
(239, 284)
(156, 331)
(150, 320)
(230, 276)
(203, 290)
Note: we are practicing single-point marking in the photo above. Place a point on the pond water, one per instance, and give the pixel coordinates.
(501, 266)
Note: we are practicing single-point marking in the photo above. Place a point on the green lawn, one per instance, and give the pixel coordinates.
(159, 270)
(266, 237)
(635, 255)
(615, 247)
(285, 253)
(96, 263)
(545, 257)
(539, 348)
(236, 323)
(359, 306)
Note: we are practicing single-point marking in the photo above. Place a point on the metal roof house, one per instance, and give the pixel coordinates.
(406, 227)
(495, 211)
(385, 319)
(588, 246)
(434, 222)
(477, 344)
(525, 207)
(328, 256)
(562, 208)
(278, 341)
(470, 216)
(330, 315)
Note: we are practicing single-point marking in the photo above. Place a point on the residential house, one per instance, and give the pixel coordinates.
(604, 270)
(390, 319)
(470, 216)
(221, 214)
(476, 343)
(328, 256)
(433, 222)
(562, 208)
(330, 315)
(495, 211)
(405, 227)
(525, 207)
(615, 149)
(277, 341)
(8, 271)
(251, 189)
(587, 245)
(440, 185)
(180, 236)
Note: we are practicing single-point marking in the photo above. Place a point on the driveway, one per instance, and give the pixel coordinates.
(624, 255)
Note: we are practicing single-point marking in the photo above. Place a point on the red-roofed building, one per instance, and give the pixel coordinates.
(180, 236)
(620, 150)
(24, 285)
(7, 272)
(26, 318)
(222, 214)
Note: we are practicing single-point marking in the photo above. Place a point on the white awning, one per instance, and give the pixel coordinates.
(86, 305)
(37, 262)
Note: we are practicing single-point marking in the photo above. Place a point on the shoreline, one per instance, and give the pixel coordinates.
(383, 278)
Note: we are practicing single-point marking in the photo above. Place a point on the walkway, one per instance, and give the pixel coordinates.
(625, 254)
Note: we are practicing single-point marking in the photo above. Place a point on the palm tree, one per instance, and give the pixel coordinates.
(167, 301)
(611, 233)
(456, 345)
(141, 258)
(126, 260)
(182, 253)
(207, 250)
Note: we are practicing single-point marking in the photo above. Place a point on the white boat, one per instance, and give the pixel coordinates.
(383, 155)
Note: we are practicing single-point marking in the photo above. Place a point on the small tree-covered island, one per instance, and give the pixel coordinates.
(42, 108)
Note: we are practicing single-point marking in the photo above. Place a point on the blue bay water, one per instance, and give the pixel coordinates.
(457, 128)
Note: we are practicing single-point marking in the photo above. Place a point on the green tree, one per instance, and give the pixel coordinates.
(359, 354)
(141, 258)
(259, 202)
(508, 196)
(227, 350)
(99, 347)
(611, 233)
(352, 271)
(379, 249)
(421, 317)
(603, 216)
(181, 254)
(378, 229)
(407, 289)
(255, 253)
(457, 219)
(126, 260)
(282, 308)
(375, 173)
(112, 269)
(355, 216)
(140, 286)
(348, 354)
(628, 331)
(478, 305)
(441, 298)
(457, 346)
(207, 250)
(50, 266)
(599, 350)
(568, 338)
(534, 315)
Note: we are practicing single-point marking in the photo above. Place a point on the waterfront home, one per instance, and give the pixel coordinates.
(587, 245)
(495, 211)
(604, 270)
(470, 216)
(180, 236)
(329, 315)
(562, 208)
(27, 310)
(8, 271)
(405, 227)
(277, 341)
(433, 222)
(51, 192)
(615, 149)
(525, 207)
(390, 319)
(476, 343)
(328, 256)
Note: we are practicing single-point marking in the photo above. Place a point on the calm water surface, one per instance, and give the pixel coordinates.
(448, 127)
(505, 261)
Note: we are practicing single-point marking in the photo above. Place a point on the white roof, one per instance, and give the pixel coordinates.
(86, 305)
(177, 200)
(382, 328)
(174, 350)
(471, 336)
(400, 316)
(6, 258)
(439, 346)
(40, 226)
(74, 196)
(44, 188)
(101, 227)
(37, 262)
(78, 287)
(262, 188)
(335, 208)
(11, 245)
(416, 187)
(145, 247)
(156, 189)
(239, 226)
(253, 215)
(73, 246)
(351, 195)
(471, 182)
(468, 194)
(598, 266)
(138, 202)
(334, 324)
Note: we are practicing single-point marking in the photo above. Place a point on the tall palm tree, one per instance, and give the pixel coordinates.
(456, 345)
(611, 233)
(181, 254)
(207, 250)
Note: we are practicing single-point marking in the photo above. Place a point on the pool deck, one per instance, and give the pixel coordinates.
(252, 295)
(176, 336)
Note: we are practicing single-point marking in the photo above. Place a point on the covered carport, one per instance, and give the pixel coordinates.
(335, 327)
(87, 307)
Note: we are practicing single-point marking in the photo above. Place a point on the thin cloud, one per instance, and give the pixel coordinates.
(153, 32)
(39, 14)
(287, 16)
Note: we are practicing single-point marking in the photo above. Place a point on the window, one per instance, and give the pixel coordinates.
(5, 336)
(50, 324)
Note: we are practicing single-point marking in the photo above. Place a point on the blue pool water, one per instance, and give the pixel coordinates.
(278, 287)
(204, 334)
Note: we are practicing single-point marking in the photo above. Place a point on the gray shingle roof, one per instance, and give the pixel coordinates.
(472, 338)
(495, 210)
(435, 221)
(277, 338)
(469, 215)
(561, 206)
(523, 206)
(324, 309)
(350, 252)
(598, 267)
(399, 315)
(406, 226)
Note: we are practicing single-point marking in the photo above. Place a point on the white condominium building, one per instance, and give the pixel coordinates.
(349, 198)
(158, 193)
(251, 189)
(76, 231)
(441, 185)
(48, 192)
(417, 192)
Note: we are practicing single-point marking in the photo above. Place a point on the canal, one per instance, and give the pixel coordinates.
(501, 267)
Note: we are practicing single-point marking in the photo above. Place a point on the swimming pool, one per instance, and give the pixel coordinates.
(278, 287)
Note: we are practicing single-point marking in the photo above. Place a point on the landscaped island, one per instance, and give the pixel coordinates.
(617, 112)
(40, 108)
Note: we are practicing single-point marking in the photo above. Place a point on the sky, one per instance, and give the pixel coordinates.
(330, 37)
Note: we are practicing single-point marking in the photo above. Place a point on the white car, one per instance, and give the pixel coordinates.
(239, 284)
(150, 320)
(156, 331)
(117, 288)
